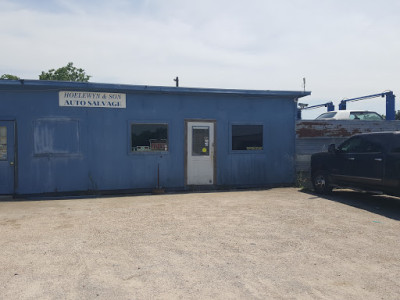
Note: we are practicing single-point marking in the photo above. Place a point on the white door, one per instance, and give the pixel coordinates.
(200, 153)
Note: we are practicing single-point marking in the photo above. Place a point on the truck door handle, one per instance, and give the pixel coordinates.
(378, 159)
(11, 163)
(351, 158)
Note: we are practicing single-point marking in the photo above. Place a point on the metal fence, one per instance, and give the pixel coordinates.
(316, 135)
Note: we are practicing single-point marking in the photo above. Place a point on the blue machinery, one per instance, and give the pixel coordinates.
(390, 104)
(302, 106)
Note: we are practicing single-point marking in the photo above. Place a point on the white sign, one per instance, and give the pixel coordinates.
(92, 99)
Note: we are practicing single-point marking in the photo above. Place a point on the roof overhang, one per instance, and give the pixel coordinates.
(82, 86)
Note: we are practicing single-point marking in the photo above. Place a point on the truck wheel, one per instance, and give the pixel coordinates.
(320, 182)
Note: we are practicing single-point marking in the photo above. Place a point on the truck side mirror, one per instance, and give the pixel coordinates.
(332, 148)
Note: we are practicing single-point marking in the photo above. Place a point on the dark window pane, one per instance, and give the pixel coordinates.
(360, 145)
(396, 143)
(200, 140)
(247, 137)
(3, 143)
(372, 147)
(149, 137)
(353, 145)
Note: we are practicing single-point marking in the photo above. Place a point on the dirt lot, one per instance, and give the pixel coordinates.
(270, 244)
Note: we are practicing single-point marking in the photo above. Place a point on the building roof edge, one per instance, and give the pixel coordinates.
(67, 85)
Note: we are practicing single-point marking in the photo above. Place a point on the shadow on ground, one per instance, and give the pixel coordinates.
(383, 205)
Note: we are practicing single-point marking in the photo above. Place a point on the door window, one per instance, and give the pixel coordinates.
(200, 140)
(371, 147)
(396, 143)
(352, 145)
(360, 145)
(3, 143)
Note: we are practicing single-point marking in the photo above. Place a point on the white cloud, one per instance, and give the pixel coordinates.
(344, 49)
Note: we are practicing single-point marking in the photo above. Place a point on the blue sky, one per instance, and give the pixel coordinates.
(344, 49)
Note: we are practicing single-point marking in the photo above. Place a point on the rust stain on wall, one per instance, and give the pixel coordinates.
(315, 129)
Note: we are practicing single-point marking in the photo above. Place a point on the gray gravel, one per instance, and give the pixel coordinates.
(270, 244)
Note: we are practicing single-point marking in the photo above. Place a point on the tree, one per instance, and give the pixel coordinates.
(397, 115)
(67, 73)
(9, 77)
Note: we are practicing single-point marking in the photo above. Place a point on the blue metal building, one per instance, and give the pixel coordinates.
(64, 137)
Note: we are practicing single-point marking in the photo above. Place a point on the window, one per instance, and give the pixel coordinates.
(56, 137)
(360, 145)
(366, 116)
(351, 146)
(200, 140)
(149, 137)
(396, 143)
(3, 143)
(327, 115)
(247, 137)
(371, 147)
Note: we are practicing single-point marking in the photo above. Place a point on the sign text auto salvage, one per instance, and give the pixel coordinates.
(92, 99)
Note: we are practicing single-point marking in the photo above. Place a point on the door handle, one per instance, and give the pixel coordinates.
(11, 163)
(378, 159)
(351, 158)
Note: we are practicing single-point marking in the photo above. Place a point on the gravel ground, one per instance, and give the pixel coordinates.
(269, 244)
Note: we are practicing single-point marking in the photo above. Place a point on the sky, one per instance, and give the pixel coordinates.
(343, 49)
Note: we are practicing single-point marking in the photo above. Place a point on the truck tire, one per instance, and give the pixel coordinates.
(320, 181)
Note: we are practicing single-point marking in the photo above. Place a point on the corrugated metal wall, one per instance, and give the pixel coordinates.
(87, 147)
(315, 136)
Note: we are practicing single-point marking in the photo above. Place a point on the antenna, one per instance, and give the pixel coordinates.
(177, 81)
(304, 84)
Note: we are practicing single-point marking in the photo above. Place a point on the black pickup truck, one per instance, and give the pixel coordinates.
(369, 161)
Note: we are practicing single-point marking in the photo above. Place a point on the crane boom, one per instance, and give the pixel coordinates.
(390, 103)
(328, 105)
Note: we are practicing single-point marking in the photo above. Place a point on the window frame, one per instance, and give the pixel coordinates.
(6, 143)
(157, 152)
(246, 151)
(35, 126)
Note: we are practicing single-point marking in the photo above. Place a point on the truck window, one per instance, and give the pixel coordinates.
(396, 144)
(361, 144)
(352, 145)
(365, 116)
